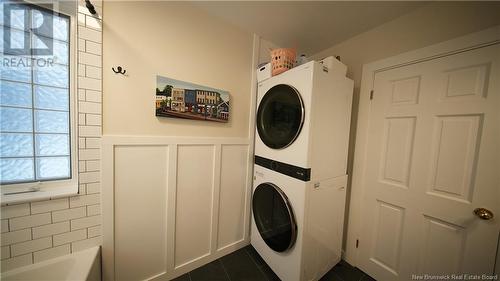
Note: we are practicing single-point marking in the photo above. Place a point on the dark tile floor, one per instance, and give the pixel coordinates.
(246, 265)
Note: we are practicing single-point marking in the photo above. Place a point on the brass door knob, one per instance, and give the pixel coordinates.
(483, 213)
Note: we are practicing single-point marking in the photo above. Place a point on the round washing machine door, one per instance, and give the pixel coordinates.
(280, 116)
(274, 217)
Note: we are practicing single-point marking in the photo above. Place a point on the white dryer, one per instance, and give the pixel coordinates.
(297, 226)
(298, 198)
(303, 120)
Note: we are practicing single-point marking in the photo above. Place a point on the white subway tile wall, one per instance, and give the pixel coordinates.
(37, 231)
(5, 226)
(18, 261)
(50, 229)
(52, 253)
(69, 214)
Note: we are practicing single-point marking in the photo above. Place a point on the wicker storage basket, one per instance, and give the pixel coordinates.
(282, 60)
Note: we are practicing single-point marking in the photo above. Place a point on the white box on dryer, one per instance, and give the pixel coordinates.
(334, 66)
(264, 72)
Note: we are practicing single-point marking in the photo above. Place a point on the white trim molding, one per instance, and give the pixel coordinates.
(472, 41)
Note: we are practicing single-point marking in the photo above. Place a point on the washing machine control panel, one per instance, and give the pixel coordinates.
(303, 174)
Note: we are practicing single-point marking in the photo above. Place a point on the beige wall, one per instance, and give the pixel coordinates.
(178, 41)
(265, 50)
(433, 23)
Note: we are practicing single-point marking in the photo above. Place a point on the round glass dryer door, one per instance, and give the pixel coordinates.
(274, 217)
(280, 116)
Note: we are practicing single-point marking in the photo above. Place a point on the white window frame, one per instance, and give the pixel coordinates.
(39, 190)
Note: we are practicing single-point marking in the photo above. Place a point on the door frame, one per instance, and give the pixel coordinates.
(465, 43)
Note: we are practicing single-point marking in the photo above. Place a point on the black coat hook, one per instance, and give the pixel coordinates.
(119, 70)
(90, 7)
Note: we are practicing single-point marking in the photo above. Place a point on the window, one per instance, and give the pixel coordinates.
(35, 98)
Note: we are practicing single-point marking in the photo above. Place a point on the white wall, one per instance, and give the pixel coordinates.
(36, 231)
(175, 40)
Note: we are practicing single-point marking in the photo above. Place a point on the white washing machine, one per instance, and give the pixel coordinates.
(297, 226)
(298, 198)
(303, 120)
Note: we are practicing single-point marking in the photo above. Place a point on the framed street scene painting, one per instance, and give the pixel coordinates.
(179, 99)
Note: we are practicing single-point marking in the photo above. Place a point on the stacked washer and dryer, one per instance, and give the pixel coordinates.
(300, 178)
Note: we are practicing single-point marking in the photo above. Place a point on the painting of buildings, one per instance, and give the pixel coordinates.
(179, 99)
(160, 100)
(178, 103)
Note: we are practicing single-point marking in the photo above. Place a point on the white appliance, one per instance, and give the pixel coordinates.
(297, 226)
(303, 119)
(298, 198)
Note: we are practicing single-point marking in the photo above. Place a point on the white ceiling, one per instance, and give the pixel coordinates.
(310, 26)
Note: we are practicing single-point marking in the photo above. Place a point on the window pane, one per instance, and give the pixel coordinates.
(2, 42)
(41, 45)
(15, 120)
(52, 167)
(16, 170)
(51, 75)
(60, 25)
(13, 42)
(52, 145)
(51, 98)
(37, 19)
(16, 145)
(15, 94)
(34, 119)
(18, 14)
(51, 122)
(15, 68)
(18, 17)
(16, 39)
(59, 54)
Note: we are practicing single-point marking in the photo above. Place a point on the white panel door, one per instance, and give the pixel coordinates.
(433, 157)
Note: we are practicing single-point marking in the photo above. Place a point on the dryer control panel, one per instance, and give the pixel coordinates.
(303, 174)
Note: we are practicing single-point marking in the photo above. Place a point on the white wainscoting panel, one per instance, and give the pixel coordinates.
(232, 195)
(140, 205)
(194, 202)
(172, 204)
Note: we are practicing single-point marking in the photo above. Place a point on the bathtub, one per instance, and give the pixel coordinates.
(84, 265)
